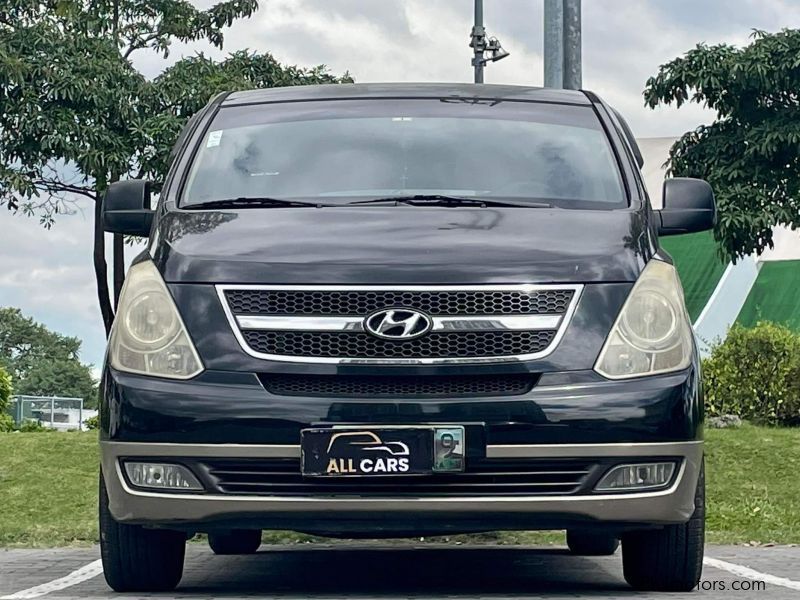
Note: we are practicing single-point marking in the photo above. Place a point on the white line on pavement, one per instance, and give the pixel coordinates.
(93, 569)
(749, 573)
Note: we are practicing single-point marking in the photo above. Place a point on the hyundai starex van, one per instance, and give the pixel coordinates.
(400, 310)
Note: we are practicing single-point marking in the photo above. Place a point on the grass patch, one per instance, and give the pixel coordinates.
(48, 490)
(753, 488)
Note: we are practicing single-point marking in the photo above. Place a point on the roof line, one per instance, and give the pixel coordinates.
(234, 102)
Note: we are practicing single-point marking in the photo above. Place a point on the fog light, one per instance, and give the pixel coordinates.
(161, 476)
(641, 476)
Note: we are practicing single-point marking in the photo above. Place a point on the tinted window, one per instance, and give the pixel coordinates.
(346, 150)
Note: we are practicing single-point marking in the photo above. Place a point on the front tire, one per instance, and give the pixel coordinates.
(235, 541)
(136, 559)
(668, 559)
(582, 543)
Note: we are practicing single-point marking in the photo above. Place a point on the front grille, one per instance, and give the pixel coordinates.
(462, 344)
(335, 324)
(377, 386)
(357, 302)
(482, 477)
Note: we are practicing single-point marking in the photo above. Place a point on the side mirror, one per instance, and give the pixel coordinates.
(126, 208)
(688, 206)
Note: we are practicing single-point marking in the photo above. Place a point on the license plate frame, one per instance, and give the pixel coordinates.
(390, 450)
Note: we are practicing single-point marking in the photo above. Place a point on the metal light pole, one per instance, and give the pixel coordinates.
(573, 74)
(562, 44)
(553, 43)
(478, 42)
(480, 45)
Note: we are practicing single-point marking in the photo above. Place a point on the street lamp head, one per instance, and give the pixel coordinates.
(481, 45)
(497, 50)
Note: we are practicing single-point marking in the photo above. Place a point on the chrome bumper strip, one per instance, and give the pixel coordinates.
(510, 451)
(587, 450)
(129, 449)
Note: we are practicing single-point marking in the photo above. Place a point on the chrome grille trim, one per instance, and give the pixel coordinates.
(559, 322)
(356, 323)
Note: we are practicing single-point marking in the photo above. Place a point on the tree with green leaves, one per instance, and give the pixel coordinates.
(751, 153)
(6, 422)
(5, 390)
(41, 362)
(75, 115)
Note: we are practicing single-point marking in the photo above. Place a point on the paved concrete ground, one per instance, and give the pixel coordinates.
(403, 571)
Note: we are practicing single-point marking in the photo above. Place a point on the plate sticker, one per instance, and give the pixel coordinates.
(448, 449)
(214, 138)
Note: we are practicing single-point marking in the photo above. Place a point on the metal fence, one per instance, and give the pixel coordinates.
(53, 412)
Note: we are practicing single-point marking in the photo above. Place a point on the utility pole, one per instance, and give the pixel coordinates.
(478, 42)
(554, 43)
(562, 44)
(481, 45)
(573, 74)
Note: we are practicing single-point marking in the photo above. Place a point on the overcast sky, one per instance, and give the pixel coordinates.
(49, 275)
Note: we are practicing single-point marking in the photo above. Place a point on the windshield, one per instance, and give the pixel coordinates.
(350, 150)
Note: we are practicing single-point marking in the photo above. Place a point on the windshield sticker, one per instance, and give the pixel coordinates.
(214, 138)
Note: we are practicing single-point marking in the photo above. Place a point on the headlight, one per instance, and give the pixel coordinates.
(652, 333)
(148, 336)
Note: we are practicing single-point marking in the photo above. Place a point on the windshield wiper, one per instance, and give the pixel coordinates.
(445, 200)
(254, 202)
(415, 200)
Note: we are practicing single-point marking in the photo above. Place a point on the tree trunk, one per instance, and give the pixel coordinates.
(119, 266)
(100, 267)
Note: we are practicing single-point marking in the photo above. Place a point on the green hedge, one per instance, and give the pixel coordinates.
(755, 373)
(31, 426)
(6, 423)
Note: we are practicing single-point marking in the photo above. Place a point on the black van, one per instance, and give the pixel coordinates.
(403, 310)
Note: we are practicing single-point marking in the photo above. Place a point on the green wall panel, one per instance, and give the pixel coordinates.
(699, 267)
(775, 295)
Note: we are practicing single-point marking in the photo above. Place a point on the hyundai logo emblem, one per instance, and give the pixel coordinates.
(398, 324)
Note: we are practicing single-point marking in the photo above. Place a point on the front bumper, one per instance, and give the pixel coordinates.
(339, 515)
(574, 407)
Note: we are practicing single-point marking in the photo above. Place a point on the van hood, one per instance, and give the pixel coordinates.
(401, 245)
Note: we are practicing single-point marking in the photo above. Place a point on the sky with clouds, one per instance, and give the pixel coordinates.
(48, 273)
